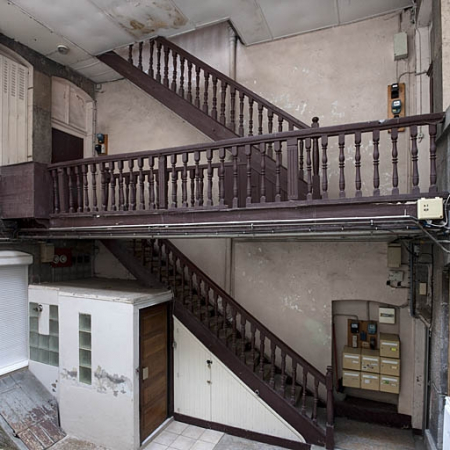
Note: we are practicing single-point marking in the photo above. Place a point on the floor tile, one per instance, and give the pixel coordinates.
(165, 438)
(177, 427)
(156, 446)
(193, 432)
(212, 436)
(182, 443)
(202, 445)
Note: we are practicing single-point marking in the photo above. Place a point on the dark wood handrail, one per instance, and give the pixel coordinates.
(239, 87)
(335, 130)
(247, 315)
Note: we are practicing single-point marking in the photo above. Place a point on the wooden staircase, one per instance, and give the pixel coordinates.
(291, 386)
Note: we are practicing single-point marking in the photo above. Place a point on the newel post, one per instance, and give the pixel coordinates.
(292, 167)
(315, 162)
(330, 409)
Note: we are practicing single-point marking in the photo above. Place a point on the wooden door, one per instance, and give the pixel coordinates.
(153, 385)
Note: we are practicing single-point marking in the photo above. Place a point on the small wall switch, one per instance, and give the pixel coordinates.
(394, 255)
(422, 288)
(430, 208)
(400, 46)
(386, 315)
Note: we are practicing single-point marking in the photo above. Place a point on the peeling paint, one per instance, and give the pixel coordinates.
(107, 382)
(70, 374)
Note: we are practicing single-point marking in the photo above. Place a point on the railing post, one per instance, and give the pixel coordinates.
(330, 410)
(162, 181)
(292, 168)
(315, 162)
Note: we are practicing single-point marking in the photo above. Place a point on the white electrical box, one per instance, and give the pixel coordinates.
(400, 46)
(396, 276)
(386, 315)
(430, 208)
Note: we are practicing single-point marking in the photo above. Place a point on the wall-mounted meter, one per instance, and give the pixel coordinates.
(101, 144)
(396, 107)
(396, 101)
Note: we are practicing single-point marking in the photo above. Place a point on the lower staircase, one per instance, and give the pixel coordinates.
(297, 391)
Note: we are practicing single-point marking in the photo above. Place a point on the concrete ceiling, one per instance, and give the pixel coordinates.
(92, 27)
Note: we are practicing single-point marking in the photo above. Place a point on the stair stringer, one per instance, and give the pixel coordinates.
(245, 408)
(311, 432)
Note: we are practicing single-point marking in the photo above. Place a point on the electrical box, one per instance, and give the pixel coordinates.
(394, 255)
(386, 315)
(396, 101)
(396, 276)
(101, 144)
(400, 46)
(430, 208)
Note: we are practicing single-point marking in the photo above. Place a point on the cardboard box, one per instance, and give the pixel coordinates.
(351, 358)
(351, 378)
(389, 345)
(390, 367)
(370, 381)
(389, 384)
(370, 361)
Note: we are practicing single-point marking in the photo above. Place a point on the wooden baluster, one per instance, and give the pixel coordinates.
(70, 171)
(85, 170)
(222, 177)
(141, 184)
(56, 207)
(223, 94)
(233, 108)
(308, 169)
(197, 178)
(414, 157)
(292, 168)
(324, 142)
(216, 310)
(250, 117)
(261, 354)
(150, 57)
(225, 322)
(163, 182)
(151, 183)
(94, 186)
(181, 90)
(121, 193)
(315, 161)
(189, 85)
(199, 297)
(233, 330)
(316, 400)
(130, 54)
(158, 62)
(242, 354)
(174, 180)
(280, 124)
(127, 181)
(184, 177)
(253, 345)
(433, 174)
(214, 98)
(260, 118)
(262, 150)
(166, 66)
(270, 131)
(241, 113)
(301, 172)
(304, 389)
(78, 176)
(209, 199)
(341, 166)
(294, 382)
(103, 186)
(358, 192)
(201, 186)
(174, 71)
(272, 364)
(110, 179)
(278, 163)
(133, 187)
(234, 154)
(283, 373)
(197, 87)
(376, 162)
(394, 137)
(192, 177)
(248, 154)
(206, 93)
(140, 66)
(291, 126)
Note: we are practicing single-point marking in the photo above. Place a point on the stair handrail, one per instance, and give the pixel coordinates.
(247, 315)
(291, 120)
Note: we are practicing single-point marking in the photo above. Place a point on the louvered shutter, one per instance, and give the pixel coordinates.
(13, 317)
(13, 111)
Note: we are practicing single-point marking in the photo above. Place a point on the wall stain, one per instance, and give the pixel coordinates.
(108, 382)
(70, 374)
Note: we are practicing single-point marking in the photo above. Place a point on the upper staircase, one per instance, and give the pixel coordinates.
(292, 387)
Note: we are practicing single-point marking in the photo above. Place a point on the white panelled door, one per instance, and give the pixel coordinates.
(13, 112)
(13, 318)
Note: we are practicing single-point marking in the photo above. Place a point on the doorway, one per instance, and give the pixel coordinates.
(154, 368)
(66, 147)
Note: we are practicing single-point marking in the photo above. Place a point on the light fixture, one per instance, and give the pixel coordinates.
(63, 49)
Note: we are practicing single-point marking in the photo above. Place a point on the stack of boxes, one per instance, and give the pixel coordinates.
(374, 370)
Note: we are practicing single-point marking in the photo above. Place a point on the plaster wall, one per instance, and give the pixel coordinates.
(445, 18)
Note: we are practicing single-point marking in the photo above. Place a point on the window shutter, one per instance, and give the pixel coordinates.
(13, 112)
(13, 317)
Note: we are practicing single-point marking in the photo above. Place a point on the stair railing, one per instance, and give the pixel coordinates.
(224, 317)
(217, 95)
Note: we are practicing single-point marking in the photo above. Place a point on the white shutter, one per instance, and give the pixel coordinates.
(13, 111)
(13, 318)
